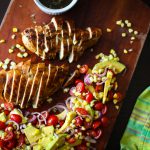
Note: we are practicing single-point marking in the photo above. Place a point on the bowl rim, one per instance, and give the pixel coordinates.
(50, 10)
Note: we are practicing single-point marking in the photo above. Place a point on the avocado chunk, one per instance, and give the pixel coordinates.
(79, 103)
(44, 142)
(33, 134)
(37, 147)
(116, 66)
(56, 142)
(2, 134)
(17, 112)
(70, 116)
(3, 117)
(48, 130)
(62, 115)
(107, 85)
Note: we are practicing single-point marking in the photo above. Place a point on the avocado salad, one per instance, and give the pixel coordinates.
(75, 125)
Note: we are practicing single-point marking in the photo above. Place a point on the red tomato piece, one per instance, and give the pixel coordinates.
(105, 121)
(61, 122)
(80, 87)
(11, 144)
(104, 110)
(98, 106)
(71, 140)
(6, 112)
(87, 125)
(8, 106)
(98, 88)
(21, 140)
(82, 147)
(83, 69)
(89, 97)
(30, 119)
(9, 136)
(77, 81)
(96, 124)
(2, 125)
(78, 121)
(82, 111)
(16, 118)
(52, 120)
(110, 95)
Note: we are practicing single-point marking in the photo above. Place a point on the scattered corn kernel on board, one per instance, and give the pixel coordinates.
(99, 13)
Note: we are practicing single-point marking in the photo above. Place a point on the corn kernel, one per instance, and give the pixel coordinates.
(108, 30)
(25, 55)
(119, 22)
(123, 34)
(87, 119)
(18, 45)
(1, 63)
(115, 101)
(132, 38)
(129, 24)
(135, 32)
(13, 36)
(125, 51)
(6, 61)
(19, 55)
(78, 66)
(2, 41)
(4, 66)
(10, 50)
(14, 30)
(117, 107)
(130, 30)
(122, 24)
(126, 21)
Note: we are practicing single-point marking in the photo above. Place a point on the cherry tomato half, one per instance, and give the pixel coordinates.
(9, 136)
(83, 69)
(71, 140)
(105, 121)
(77, 81)
(96, 124)
(78, 121)
(52, 120)
(98, 88)
(80, 87)
(2, 125)
(89, 97)
(8, 106)
(21, 140)
(16, 118)
(82, 111)
(98, 106)
(11, 144)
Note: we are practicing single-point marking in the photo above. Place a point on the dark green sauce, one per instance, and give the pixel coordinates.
(55, 4)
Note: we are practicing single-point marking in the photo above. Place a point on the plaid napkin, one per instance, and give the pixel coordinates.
(137, 133)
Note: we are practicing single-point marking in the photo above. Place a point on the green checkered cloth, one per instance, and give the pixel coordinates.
(137, 133)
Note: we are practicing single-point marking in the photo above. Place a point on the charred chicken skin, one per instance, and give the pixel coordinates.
(60, 37)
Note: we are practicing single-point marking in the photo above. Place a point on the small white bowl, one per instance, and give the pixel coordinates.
(55, 11)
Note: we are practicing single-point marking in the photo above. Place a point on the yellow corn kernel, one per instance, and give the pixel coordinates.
(108, 30)
(10, 50)
(125, 51)
(123, 34)
(2, 41)
(14, 30)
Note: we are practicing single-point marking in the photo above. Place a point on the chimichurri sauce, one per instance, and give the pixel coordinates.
(55, 4)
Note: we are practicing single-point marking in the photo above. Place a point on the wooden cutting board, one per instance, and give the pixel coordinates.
(99, 13)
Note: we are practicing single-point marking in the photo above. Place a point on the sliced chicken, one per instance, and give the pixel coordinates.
(30, 84)
(60, 37)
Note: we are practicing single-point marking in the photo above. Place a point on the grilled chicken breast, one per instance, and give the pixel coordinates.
(30, 84)
(60, 37)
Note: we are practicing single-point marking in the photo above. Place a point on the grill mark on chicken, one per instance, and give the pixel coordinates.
(2, 83)
(60, 37)
(30, 84)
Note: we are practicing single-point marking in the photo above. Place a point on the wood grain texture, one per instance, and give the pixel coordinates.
(99, 13)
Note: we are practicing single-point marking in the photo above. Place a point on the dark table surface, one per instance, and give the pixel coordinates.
(140, 80)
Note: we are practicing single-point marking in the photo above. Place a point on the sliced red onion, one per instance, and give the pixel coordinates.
(99, 114)
(90, 140)
(100, 83)
(16, 124)
(71, 91)
(69, 103)
(59, 108)
(27, 113)
(44, 112)
(87, 79)
(103, 74)
(22, 126)
(41, 119)
(33, 119)
(99, 134)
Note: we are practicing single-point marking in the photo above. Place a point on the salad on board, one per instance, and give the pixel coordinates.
(76, 124)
